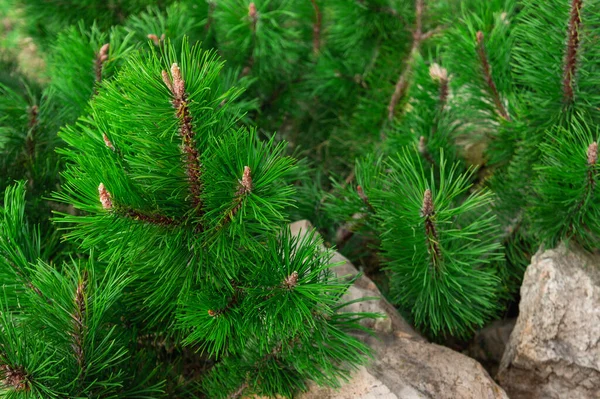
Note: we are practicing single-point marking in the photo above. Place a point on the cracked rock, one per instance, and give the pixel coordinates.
(554, 349)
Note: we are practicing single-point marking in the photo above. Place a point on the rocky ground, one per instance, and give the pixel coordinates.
(551, 351)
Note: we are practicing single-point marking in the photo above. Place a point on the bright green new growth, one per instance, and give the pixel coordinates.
(440, 243)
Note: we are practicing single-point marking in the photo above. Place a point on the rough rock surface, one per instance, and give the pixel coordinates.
(554, 350)
(405, 365)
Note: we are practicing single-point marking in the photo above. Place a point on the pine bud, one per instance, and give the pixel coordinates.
(103, 53)
(422, 145)
(212, 313)
(154, 38)
(14, 378)
(252, 13)
(291, 281)
(361, 193)
(592, 154)
(427, 209)
(107, 141)
(479, 37)
(178, 84)
(246, 181)
(437, 73)
(167, 80)
(105, 197)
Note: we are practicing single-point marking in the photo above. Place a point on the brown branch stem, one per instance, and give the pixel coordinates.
(487, 75)
(431, 234)
(317, 28)
(182, 113)
(572, 49)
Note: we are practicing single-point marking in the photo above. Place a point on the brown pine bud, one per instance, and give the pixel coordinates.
(14, 378)
(437, 73)
(246, 182)
(154, 39)
(107, 141)
(291, 281)
(427, 209)
(105, 197)
(167, 80)
(103, 53)
(479, 37)
(592, 154)
(422, 145)
(212, 313)
(178, 83)
(252, 12)
(361, 193)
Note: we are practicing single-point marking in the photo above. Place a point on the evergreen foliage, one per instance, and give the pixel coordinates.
(437, 143)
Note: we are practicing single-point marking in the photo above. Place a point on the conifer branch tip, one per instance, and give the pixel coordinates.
(592, 154)
(105, 197)
(13, 378)
(573, 41)
(253, 15)
(291, 281)
(78, 317)
(107, 141)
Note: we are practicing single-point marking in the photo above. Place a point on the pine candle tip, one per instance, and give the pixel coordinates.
(592, 154)
(178, 84)
(427, 209)
(479, 37)
(361, 193)
(167, 80)
(247, 179)
(105, 197)
(245, 182)
(154, 39)
(14, 378)
(107, 141)
(291, 281)
(103, 53)
(422, 144)
(437, 73)
(252, 10)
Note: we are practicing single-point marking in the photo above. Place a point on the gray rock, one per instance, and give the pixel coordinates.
(405, 365)
(554, 350)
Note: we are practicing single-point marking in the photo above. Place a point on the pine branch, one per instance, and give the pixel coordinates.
(431, 233)
(487, 75)
(33, 122)
(364, 198)
(572, 48)
(210, 18)
(317, 28)
(403, 81)
(238, 393)
(79, 325)
(182, 112)
(245, 188)
(130, 213)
